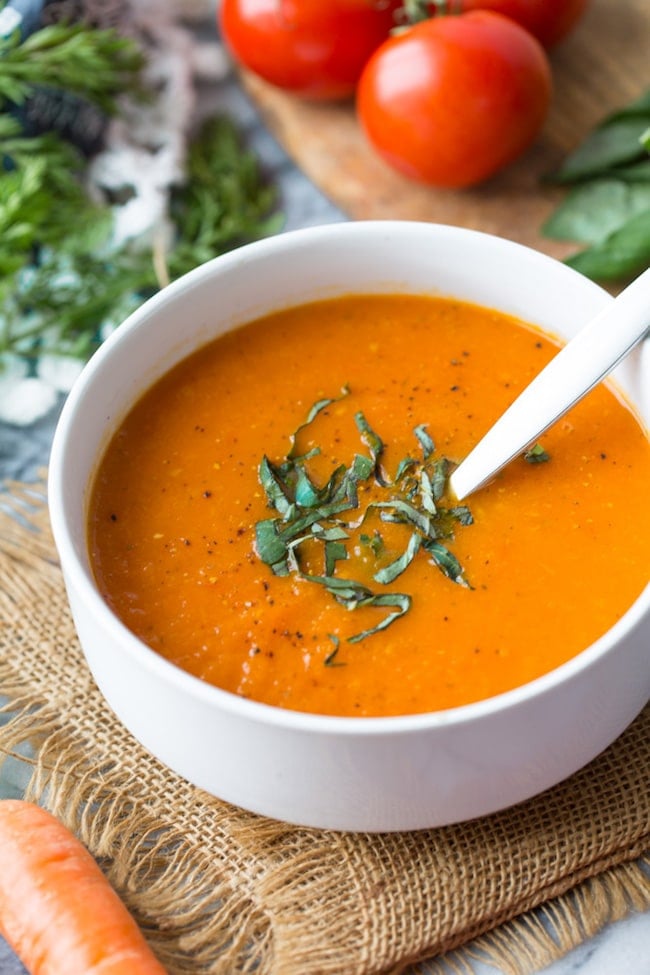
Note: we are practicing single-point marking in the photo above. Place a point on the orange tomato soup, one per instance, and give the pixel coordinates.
(555, 553)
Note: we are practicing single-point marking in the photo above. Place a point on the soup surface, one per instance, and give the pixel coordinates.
(272, 515)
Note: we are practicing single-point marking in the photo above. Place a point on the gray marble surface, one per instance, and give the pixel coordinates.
(622, 948)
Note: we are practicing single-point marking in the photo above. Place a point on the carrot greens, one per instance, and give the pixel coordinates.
(66, 277)
(306, 511)
(98, 65)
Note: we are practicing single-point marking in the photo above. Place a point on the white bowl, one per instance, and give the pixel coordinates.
(371, 774)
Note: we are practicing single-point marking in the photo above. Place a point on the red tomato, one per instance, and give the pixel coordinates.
(314, 48)
(548, 20)
(452, 100)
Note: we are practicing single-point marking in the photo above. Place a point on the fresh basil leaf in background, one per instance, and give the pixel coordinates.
(593, 210)
(634, 173)
(609, 145)
(616, 140)
(608, 204)
(621, 255)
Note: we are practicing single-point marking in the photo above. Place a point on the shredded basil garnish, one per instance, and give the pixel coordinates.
(405, 466)
(373, 442)
(374, 542)
(334, 552)
(317, 408)
(446, 561)
(400, 600)
(390, 572)
(308, 511)
(425, 440)
(330, 659)
(536, 455)
(440, 478)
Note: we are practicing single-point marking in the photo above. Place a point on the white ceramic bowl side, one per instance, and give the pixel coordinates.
(371, 774)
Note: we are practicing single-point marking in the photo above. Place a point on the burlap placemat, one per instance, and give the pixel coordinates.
(220, 890)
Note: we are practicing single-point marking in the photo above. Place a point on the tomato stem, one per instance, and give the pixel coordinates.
(415, 11)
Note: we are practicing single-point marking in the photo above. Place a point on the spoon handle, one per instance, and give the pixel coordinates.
(576, 369)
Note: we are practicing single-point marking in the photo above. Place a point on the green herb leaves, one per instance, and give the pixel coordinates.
(60, 278)
(321, 517)
(608, 207)
(63, 280)
(536, 454)
(97, 65)
(224, 200)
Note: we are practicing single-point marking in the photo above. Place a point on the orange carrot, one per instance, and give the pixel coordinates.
(57, 909)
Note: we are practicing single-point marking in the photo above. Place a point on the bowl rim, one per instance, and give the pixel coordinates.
(79, 575)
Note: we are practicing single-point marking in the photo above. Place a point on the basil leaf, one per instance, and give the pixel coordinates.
(611, 144)
(362, 468)
(317, 408)
(400, 600)
(635, 173)
(307, 494)
(331, 489)
(372, 441)
(621, 255)
(334, 534)
(592, 211)
(440, 478)
(334, 552)
(425, 440)
(536, 455)
(446, 562)
(374, 542)
(404, 467)
(312, 517)
(426, 493)
(390, 572)
(462, 514)
(271, 549)
(330, 659)
(345, 591)
(403, 513)
(274, 488)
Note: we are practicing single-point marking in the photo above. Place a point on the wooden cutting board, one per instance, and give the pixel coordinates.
(603, 64)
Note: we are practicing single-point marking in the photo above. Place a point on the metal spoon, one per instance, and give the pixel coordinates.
(569, 376)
